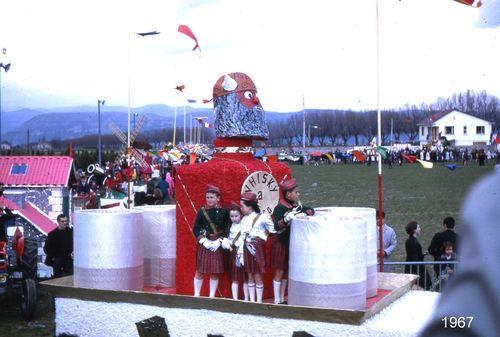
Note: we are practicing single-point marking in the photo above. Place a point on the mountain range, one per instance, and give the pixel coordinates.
(78, 121)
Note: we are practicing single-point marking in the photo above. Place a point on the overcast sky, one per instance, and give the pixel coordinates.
(67, 53)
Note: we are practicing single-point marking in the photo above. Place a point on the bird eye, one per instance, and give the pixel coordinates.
(248, 95)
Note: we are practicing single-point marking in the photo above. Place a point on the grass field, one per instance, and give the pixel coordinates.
(409, 193)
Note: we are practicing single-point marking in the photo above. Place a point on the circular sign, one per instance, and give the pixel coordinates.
(265, 186)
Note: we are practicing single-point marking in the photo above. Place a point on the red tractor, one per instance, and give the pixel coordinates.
(18, 268)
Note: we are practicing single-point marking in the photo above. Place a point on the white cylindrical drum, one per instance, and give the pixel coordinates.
(328, 261)
(108, 249)
(371, 240)
(159, 245)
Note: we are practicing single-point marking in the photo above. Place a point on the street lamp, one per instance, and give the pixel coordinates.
(309, 132)
(5, 67)
(128, 115)
(99, 145)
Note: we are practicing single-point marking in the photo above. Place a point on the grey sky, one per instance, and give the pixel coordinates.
(72, 53)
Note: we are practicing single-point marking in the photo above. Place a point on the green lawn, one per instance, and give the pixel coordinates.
(409, 193)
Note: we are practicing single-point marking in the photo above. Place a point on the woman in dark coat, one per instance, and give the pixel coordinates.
(414, 253)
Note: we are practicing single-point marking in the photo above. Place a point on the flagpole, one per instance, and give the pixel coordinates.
(184, 123)
(175, 121)
(379, 132)
(303, 122)
(190, 127)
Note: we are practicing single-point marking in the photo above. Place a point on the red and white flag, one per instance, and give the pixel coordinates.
(472, 3)
(208, 125)
(188, 32)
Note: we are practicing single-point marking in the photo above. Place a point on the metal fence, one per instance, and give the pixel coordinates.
(433, 274)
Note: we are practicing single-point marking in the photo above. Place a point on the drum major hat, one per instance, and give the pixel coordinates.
(212, 189)
(288, 185)
(249, 196)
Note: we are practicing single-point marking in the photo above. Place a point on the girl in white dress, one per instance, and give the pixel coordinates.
(255, 228)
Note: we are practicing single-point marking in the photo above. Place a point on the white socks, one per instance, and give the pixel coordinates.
(245, 291)
(251, 291)
(260, 290)
(282, 290)
(234, 290)
(197, 286)
(277, 291)
(213, 287)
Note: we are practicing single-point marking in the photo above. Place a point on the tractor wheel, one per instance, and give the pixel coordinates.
(29, 259)
(28, 299)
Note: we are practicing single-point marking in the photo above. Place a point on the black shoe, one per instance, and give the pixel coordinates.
(284, 302)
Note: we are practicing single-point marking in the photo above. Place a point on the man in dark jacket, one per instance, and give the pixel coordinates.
(59, 248)
(448, 235)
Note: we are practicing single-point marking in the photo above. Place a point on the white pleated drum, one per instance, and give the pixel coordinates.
(108, 249)
(159, 245)
(328, 261)
(371, 238)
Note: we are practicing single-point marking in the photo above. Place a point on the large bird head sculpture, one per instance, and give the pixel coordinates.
(238, 113)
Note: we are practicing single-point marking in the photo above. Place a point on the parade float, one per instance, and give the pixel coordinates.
(334, 288)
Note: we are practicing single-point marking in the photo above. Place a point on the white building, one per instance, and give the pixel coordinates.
(459, 128)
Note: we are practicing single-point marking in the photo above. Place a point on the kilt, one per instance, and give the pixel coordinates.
(237, 273)
(255, 264)
(208, 262)
(279, 254)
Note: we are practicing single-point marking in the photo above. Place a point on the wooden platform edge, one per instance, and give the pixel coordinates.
(63, 288)
(399, 284)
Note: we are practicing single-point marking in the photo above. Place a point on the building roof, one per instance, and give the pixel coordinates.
(33, 214)
(429, 121)
(433, 118)
(53, 171)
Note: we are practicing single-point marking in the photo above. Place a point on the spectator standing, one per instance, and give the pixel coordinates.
(438, 240)
(389, 241)
(59, 248)
(414, 254)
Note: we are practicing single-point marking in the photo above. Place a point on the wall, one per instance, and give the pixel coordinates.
(458, 120)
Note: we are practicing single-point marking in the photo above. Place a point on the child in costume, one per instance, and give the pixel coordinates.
(210, 227)
(234, 243)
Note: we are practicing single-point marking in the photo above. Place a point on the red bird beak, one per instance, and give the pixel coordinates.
(255, 99)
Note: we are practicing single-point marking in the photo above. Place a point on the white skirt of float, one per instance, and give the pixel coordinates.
(159, 245)
(108, 249)
(328, 261)
(371, 240)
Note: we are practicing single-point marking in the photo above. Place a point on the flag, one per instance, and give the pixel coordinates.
(426, 164)
(188, 32)
(208, 125)
(180, 87)
(149, 33)
(383, 152)
(191, 101)
(451, 167)
(205, 101)
(359, 156)
(410, 159)
(495, 139)
(472, 3)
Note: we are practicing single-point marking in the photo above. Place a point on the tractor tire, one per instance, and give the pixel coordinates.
(29, 259)
(28, 299)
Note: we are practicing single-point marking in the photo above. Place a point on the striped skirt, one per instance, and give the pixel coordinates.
(279, 254)
(208, 262)
(255, 264)
(237, 273)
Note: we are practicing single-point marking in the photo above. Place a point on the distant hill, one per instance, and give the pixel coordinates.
(74, 122)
